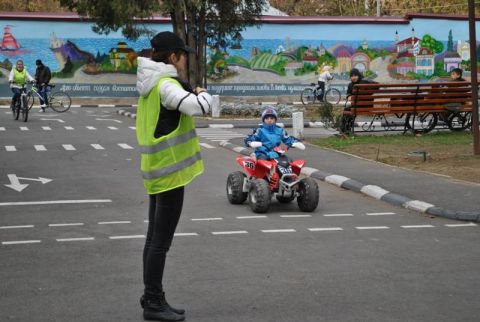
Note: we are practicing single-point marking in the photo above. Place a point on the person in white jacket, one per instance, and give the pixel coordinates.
(323, 78)
(164, 76)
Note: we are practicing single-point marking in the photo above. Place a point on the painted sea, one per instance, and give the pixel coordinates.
(32, 49)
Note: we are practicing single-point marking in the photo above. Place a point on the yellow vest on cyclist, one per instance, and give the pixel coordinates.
(172, 160)
(19, 78)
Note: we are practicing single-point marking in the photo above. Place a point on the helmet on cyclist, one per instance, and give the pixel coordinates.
(269, 111)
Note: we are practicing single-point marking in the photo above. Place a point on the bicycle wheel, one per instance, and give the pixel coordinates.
(308, 96)
(421, 123)
(30, 100)
(24, 108)
(60, 102)
(332, 96)
(16, 110)
(459, 121)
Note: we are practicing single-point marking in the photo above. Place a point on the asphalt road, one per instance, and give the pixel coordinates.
(71, 248)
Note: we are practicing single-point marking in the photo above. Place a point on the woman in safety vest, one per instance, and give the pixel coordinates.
(17, 78)
(170, 157)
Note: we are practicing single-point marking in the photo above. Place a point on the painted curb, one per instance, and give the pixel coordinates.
(374, 191)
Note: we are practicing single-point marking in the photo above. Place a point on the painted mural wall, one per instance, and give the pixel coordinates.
(275, 59)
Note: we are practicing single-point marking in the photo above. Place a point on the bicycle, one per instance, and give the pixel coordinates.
(58, 101)
(312, 93)
(21, 105)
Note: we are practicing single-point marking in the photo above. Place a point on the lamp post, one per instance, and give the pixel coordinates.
(473, 63)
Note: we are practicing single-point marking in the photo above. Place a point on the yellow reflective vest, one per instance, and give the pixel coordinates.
(19, 78)
(172, 160)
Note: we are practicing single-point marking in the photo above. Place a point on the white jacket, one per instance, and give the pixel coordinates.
(325, 77)
(172, 96)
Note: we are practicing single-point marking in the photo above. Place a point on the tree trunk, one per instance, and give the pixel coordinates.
(202, 42)
(192, 42)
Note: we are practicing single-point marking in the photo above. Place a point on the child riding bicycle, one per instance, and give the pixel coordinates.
(18, 78)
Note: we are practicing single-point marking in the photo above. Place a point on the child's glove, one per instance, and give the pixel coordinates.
(255, 144)
(298, 145)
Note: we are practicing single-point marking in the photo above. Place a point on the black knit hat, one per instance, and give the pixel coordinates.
(355, 72)
(167, 40)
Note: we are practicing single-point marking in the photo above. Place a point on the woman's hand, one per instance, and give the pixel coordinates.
(199, 90)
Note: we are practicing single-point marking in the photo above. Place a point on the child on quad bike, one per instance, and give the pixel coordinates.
(268, 136)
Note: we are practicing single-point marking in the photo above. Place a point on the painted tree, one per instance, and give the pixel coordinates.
(450, 41)
(434, 45)
(194, 21)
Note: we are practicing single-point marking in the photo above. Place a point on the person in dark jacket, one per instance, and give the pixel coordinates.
(456, 75)
(42, 77)
(356, 77)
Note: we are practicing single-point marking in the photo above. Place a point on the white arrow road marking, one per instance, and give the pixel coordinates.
(60, 121)
(17, 186)
(118, 121)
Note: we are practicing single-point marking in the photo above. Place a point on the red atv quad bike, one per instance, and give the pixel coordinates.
(265, 178)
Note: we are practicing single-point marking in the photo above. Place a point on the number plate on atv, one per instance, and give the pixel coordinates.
(249, 164)
(285, 170)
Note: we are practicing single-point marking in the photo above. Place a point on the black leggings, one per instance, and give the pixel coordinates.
(163, 215)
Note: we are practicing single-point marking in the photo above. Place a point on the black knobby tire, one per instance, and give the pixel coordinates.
(235, 192)
(30, 100)
(259, 196)
(282, 199)
(308, 195)
(428, 122)
(332, 96)
(60, 102)
(16, 112)
(24, 108)
(459, 121)
(307, 96)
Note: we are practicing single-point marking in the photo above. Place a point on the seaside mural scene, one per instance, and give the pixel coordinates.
(89, 64)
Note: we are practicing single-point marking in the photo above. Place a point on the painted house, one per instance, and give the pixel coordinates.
(290, 68)
(406, 45)
(451, 60)
(120, 54)
(425, 62)
(406, 66)
(463, 49)
(361, 62)
(309, 59)
(344, 62)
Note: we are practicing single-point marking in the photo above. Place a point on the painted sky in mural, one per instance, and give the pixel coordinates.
(422, 50)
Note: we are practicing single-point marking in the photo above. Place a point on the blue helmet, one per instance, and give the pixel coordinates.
(269, 111)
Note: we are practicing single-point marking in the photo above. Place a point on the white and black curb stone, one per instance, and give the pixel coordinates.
(374, 191)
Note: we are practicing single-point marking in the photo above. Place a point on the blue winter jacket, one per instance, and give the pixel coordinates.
(271, 136)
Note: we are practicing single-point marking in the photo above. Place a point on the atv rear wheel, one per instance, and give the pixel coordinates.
(235, 192)
(259, 196)
(308, 195)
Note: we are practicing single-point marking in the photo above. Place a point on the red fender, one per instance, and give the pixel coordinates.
(297, 166)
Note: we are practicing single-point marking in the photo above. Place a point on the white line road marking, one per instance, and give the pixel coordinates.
(278, 230)
(372, 227)
(59, 121)
(91, 127)
(221, 126)
(16, 242)
(2, 128)
(113, 120)
(68, 147)
(46, 128)
(206, 219)
(16, 227)
(295, 216)
(338, 215)
(97, 147)
(206, 145)
(125, 146)
(112, 127)
(40, 147)
(185, 234)
(75, 239)
(10, 148)
(417, 226)
(462, 225)
(69, 128)
(325, 229)
(127, 237)
(66, 225)
(23, 128)
(53, 202)
(380, 213)
(251, 217)
(233, 232)
(114, 222)
(132, 127)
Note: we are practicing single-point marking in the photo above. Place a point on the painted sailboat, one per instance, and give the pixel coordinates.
(8, 41)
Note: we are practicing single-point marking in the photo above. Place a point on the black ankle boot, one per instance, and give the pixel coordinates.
(178, 311)
(156, 308)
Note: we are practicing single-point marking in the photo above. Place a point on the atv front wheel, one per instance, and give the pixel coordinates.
(235, 192)
(259, 196)
(308, 195)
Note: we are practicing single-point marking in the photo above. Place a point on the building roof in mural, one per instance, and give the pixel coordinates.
(408, 41)
(424, 51)
(343, 53)
(405, 54)
(452, 54)
(406, 64)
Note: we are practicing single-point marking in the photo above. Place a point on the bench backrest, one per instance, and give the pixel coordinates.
(408, 98)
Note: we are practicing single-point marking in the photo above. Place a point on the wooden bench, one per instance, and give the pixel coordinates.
(413, 100)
